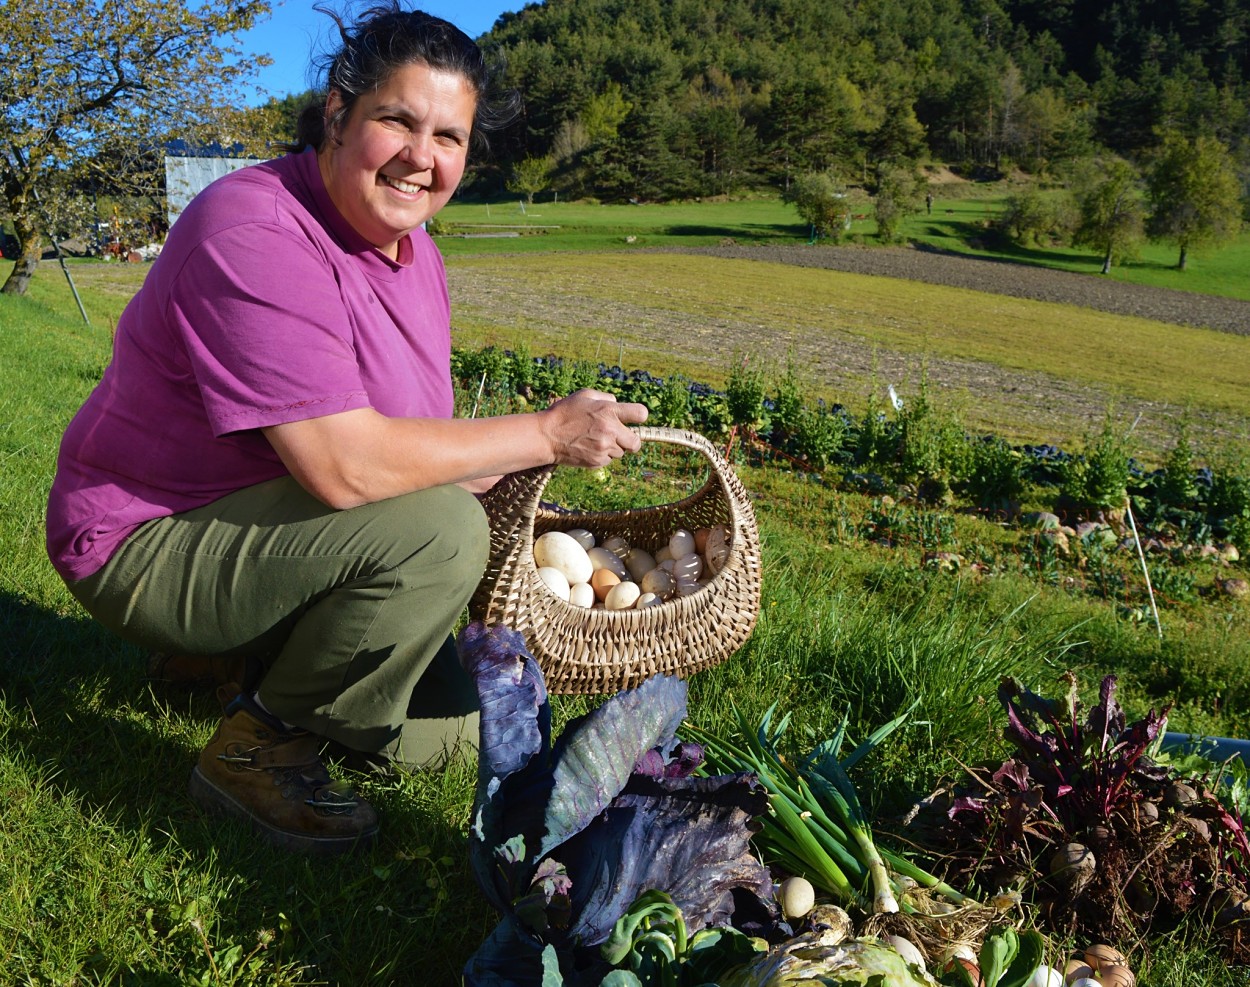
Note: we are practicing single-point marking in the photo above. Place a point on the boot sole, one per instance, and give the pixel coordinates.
(215, 800)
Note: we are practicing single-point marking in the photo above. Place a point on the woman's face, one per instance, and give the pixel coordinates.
(398, 157)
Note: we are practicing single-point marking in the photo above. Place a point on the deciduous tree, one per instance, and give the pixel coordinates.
(1108, 196)
(97, 80)
(1195, 196)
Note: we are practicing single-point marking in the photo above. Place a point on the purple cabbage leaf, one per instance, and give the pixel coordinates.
(565, 836)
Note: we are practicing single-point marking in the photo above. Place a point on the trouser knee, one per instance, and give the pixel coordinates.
(461, 540)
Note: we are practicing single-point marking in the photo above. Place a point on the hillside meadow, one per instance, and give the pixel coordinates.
(114, 878)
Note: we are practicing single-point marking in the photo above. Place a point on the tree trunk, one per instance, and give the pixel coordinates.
(1180, 264)
(1106, 262)
(31, 246)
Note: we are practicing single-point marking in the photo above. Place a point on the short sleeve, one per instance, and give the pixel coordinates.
(267, 334)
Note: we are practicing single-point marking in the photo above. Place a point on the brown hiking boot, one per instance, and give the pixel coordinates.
(199, 673)
(256, 769)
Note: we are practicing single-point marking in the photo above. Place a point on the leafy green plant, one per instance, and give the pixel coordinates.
(1099, 478)
(745, 391)
(672, 405)
(995, 474)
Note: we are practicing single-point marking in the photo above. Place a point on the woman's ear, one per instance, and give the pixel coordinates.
(331, 118)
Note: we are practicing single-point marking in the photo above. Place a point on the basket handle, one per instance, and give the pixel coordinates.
(515, 499)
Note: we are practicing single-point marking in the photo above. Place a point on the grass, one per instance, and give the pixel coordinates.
(112, 877)
(959, 223)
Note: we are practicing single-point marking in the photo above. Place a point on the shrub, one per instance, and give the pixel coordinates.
(823, 202)
(995, 473)
(672, 404)
(1099, 477)
(744, 394)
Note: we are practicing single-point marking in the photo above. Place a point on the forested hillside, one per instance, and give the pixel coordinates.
(660, 99)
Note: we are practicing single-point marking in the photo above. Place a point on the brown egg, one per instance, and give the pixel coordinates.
(1116, 975)
(602, 581)
(1100, 955)
(1076, 969)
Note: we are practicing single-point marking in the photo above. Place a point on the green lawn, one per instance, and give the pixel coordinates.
(112, 877)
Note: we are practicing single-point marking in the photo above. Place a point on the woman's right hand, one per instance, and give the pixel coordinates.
(591, 428)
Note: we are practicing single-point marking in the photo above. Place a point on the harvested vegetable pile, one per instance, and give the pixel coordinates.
(1106, 840)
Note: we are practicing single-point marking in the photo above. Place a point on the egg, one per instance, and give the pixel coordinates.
(648, 600)
(716, 552)
(1116, 975)
(700, 545)
(639, 563)
(686, 587)
(796, 897)
(680, 543)
(582, 595)
(617, 545)
(908, 950)
(602, 581)
(556, 581)
(603, 558)
(659, 582)
(622, 596)
(970, 967)
(688, 566)
(662, 555)
(1100, 955)
(1084, 982)
(583, 537)
(558, 550)
(1045, 976)
(1077, 969)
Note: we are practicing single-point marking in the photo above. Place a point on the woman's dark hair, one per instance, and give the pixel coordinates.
(385, 38)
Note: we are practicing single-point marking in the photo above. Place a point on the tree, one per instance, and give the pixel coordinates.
(898, 195)
(531, 175)
(1195, 196)
(87, 81)
(1109, 201)
(822, 201)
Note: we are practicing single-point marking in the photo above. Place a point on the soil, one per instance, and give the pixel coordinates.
(1182, 308)
(1063, 410)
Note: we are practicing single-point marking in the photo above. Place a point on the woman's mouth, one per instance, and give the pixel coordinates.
(398, 183)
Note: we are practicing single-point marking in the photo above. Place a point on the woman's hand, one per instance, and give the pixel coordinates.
(590, 428)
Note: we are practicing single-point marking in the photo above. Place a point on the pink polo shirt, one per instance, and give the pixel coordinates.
(264, 307)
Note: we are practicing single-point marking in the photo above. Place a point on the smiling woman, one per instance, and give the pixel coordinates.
(299, 522)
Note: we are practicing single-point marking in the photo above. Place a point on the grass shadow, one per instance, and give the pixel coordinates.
(105, 752)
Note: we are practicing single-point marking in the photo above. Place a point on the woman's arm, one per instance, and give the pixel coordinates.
(357, 457)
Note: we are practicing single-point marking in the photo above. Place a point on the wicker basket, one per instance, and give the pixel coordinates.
(602, 651)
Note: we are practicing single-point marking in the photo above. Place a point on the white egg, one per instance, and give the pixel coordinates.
(556, 581)
(1045, 976)
(796, 897)
(622, 596)
(659, 582)
(648, 600)
(582, 537)
(603, 558)
(680, 543)
(639, 563)
(582, 595)
(1085, 982)
(561, 551)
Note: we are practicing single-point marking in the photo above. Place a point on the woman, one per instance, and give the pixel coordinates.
(269, 468)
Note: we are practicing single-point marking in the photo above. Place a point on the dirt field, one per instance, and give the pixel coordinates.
(1023, 407)
(1180, 308)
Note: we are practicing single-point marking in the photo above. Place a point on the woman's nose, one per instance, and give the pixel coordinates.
(419, 152)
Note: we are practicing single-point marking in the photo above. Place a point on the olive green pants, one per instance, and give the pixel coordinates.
(350, 611)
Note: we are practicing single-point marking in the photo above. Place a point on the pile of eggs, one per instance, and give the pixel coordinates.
(617, 576)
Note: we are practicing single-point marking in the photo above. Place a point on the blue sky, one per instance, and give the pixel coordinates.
(294, 31)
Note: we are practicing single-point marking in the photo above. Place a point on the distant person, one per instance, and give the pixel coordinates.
(928, 203)
(269, 477)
